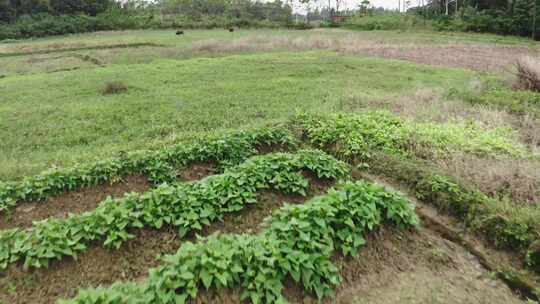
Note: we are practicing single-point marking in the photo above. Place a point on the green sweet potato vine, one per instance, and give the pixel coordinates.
(186, 206)
(159, 166)
(358, 136)
(298, 242)
(380, 141)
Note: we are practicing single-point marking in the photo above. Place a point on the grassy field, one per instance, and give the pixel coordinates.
(62, 117)
(57, 118)
(433, 113)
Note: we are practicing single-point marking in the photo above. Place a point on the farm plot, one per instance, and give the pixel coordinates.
(183, 207)
(302, 252)
(157, 166)
(200, 216)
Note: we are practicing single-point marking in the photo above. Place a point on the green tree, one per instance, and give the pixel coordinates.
(7, 11)
(89, 7)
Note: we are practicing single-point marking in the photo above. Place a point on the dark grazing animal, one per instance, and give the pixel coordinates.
(179, 32)
(231, 30)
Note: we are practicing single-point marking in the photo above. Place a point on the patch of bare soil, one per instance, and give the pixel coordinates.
(99, 266)
(507, 265)
(249, 219)
(266, 149)
(417, 267)
(196, 171)
(71, 202)
(478, 57)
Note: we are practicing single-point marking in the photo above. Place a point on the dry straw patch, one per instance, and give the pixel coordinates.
(528, 73)
(516, 179)
(430, 105)
(482, 57)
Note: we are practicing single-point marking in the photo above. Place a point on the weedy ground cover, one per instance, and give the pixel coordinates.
(389, 146)
(356, 136)
(72, 121)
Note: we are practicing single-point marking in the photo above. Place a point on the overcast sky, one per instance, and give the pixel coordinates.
(389, 4)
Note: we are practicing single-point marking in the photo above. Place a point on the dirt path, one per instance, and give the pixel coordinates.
(419, 267)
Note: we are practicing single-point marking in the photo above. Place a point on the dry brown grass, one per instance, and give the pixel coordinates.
(114, 87)
(518, 180)
(480, 57)
(528, 73)
(428, 104)
(529, 129)
(515, 179)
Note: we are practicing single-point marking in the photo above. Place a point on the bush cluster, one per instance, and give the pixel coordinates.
(358, 136)
(47, 25)
(385, 22)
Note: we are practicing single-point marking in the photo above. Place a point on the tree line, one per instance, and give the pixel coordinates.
(507, 17)
(277, 10)
(37, 18)
(10, 10)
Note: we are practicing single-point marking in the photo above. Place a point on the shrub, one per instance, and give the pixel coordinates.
(528, 74)
(533, 256)
(114, 87)
(384, 22)
(301, 26)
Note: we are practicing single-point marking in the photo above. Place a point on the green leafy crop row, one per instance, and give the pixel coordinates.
(357, 136)
(382, 141)
(157, 165)
(298, 242)
(186, 206)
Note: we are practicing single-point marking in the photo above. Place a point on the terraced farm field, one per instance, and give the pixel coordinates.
(268, 166)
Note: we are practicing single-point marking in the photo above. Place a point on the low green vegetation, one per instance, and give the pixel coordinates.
(379, 143)
(186, 206)
(359, 136)
(181, 96)
(68, 120)
(520, 102)
(386, 22)
(41, 18)
(298, 242)
(159, 166)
